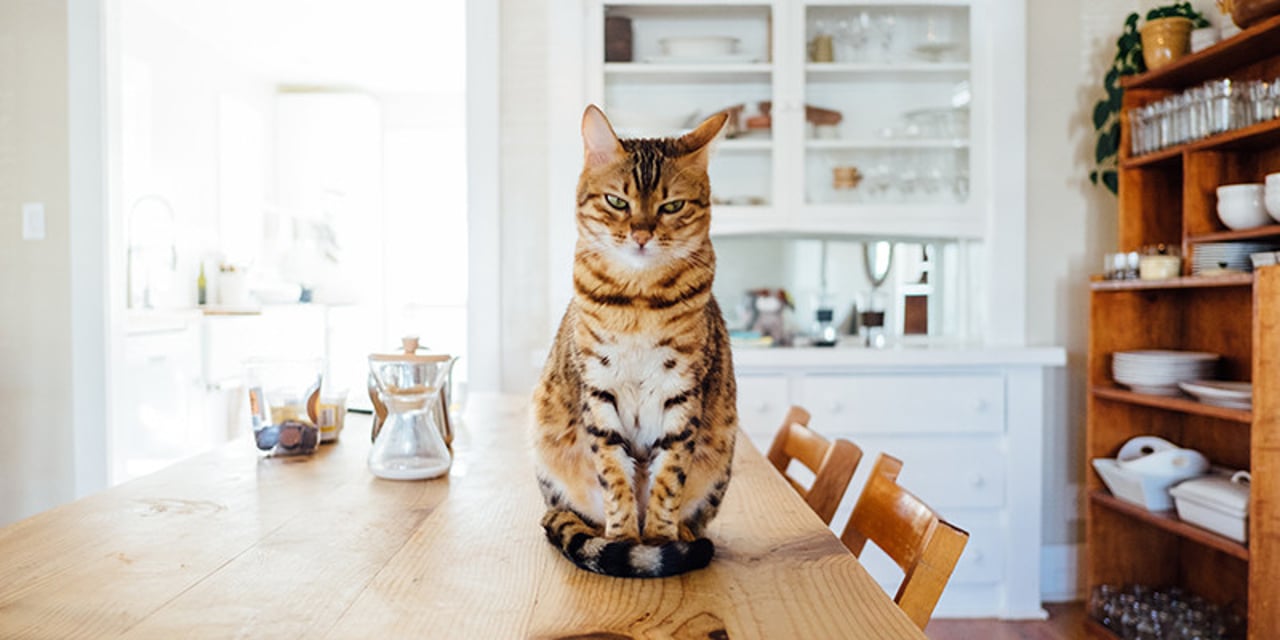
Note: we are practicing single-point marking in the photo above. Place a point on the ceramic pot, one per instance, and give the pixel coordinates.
(1165, 40)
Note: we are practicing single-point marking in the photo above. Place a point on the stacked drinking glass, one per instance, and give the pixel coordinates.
(1215, 107)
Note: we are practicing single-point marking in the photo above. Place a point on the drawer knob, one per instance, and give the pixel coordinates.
(977, 481)
(837, 406)
(762, 407)
(979, 405)
(976, 556)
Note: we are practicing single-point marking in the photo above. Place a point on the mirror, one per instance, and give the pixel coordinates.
(877, 261)
(922, 287)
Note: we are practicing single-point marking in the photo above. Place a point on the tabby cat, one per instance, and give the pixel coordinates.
(635, 413)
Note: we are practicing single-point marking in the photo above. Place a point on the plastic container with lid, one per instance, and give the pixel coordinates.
(1218, 502)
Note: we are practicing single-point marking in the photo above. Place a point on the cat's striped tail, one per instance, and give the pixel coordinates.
(581, 543)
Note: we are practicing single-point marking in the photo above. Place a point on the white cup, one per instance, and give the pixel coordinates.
(1241, 206)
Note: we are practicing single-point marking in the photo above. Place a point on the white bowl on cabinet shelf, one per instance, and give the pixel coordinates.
(1241, 206)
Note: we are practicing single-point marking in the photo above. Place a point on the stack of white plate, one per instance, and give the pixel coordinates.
(1222, 393)
(1226, 255)
(1158, 371)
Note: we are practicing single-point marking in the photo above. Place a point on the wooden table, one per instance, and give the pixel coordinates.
(232, 544)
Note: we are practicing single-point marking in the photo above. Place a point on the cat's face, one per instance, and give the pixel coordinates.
(644, 202)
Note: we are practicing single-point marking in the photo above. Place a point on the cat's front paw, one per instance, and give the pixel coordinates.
(622, 532)
(688, 535)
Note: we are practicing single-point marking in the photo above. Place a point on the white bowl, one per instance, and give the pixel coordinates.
(1272, 181)
(1240, 206)
(698, 46)
(1271, 202)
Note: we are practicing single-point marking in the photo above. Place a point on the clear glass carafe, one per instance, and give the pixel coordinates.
(411, 443)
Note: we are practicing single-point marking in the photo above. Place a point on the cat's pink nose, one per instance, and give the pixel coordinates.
(642, 237)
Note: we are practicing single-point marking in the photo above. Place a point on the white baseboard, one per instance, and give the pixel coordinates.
(1061, 572)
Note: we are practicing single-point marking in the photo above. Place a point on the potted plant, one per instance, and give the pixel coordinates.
(1166, 36)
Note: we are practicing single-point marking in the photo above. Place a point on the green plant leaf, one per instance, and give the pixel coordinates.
(1115, 99)
(1101, 113)
(1103, 149)
(1112, 180)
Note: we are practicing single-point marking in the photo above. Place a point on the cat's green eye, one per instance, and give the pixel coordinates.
(616, 202)
(672, 207)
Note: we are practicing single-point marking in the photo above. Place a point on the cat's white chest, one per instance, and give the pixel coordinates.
(635, 371)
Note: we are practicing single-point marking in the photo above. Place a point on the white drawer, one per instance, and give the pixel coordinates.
(947, 472)
(902, 404)
(762, 404)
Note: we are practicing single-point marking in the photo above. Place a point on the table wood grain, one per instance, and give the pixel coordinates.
(234, 544)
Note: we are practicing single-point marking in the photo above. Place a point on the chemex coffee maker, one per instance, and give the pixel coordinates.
(412, 432)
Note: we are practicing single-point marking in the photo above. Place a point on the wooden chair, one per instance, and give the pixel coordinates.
(925, 546)
(832, 463)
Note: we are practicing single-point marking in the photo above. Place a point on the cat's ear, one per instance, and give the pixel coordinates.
(601, 146)
(697, 143)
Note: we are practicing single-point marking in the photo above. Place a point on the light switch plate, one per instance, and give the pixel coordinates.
(33, 221)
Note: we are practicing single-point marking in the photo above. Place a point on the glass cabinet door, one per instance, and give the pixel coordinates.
(667, 67)
(886, 97)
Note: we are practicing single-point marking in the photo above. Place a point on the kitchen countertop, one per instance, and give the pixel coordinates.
(234, 544)
(932, 355)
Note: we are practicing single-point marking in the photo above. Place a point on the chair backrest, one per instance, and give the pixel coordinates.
(925, 546)
(832, 463)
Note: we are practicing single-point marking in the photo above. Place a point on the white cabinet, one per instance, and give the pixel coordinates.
(967, 426)
(930, 146)
(160, 407)
(914, 86)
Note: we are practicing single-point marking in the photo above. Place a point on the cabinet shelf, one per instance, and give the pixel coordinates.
(1186, 282)
(1216, 61)
(1168, 521)
(887, 3)
(850, 220)
(1268, 231)
(689, 73)
(840, 71)
(1170, 403)
(745, 144)
(1257, 136)
(889, 144)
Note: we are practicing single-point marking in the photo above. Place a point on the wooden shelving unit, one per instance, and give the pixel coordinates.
(1169, 197)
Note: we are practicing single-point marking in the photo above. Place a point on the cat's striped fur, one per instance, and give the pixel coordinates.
(635, 412)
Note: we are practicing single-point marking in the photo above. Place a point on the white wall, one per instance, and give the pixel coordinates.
(526, 321)
(36, 442)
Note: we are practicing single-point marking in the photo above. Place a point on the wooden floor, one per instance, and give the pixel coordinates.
(1066, 622)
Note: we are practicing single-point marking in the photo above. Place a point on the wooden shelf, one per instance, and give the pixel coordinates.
(1216, 61)
(1186, 282)
(1166, 195)
(1268, 231)
(1171, 403)
(1097, 631)
(1168, 521)
(1261, 135)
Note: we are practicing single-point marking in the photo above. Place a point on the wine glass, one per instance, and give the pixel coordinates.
(885, 26)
